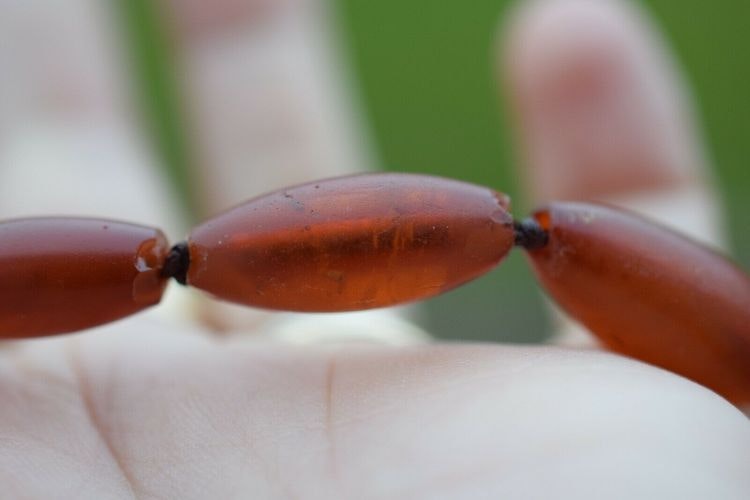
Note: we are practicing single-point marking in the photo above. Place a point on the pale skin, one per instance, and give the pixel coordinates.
(146, 409)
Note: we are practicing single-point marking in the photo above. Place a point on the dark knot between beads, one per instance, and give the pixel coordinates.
(529, 234)
(177, 263)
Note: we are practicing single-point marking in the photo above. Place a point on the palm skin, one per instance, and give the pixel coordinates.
(99, 416)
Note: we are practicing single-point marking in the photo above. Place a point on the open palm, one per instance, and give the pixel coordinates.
(146, 409)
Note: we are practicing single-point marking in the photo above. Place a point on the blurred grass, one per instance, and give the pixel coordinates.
(426, 74)
(711, 41)
(426, 71)
(152, 58)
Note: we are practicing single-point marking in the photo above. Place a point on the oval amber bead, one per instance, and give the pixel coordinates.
(649, 293)
(60, 275)
(351, 243)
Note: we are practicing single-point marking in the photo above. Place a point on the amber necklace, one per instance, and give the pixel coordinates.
(377, 240)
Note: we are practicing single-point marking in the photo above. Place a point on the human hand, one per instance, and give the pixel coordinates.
(147, 409)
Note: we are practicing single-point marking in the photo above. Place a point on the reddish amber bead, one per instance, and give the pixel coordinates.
(65, 274)
(649, 293)
(351, 243)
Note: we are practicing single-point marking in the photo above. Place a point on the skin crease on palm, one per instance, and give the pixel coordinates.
(157, 408)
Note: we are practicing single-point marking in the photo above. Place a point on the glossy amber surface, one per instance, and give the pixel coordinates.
(351, 243)
(650, 293)
(60, 275)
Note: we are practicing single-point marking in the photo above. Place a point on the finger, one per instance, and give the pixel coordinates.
(68, 136)
(604, 114)
(270, 106)
(434, 422)
(267, 96)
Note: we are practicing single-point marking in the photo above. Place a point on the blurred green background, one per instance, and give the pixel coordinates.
(426, 74)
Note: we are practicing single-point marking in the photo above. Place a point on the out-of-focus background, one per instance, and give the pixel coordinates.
(425, 72)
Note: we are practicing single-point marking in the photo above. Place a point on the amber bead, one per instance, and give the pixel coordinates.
(65, 274)
(351, 243)
(649, 293)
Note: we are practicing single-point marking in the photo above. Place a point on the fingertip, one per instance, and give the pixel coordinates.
(600, 104)
(197, 19)
(603, 114)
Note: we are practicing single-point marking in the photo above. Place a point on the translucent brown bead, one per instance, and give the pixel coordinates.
(649, 293)
(65, 274)
(351, 243)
